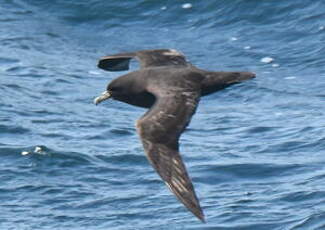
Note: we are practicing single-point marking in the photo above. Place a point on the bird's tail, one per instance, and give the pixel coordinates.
(215, 81)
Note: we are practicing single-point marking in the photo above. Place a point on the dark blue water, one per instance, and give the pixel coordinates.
(255, 151)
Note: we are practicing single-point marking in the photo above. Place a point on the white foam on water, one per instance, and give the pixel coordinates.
(38, 149)
(187, 6)
(93, 72)
(290, 78)
(25, 153)
(275, 65)
(233, 39)
(247, 47)
(267, 60)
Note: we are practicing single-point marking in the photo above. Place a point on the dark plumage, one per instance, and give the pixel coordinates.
(171, 87)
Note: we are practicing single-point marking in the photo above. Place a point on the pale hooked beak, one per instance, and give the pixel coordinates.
(104, 96)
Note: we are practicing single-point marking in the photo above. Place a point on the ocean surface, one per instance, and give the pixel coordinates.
(255, 151)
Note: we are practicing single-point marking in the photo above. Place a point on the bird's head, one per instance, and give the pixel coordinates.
(120, 89)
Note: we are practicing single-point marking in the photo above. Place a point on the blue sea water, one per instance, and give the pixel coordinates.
(255, 151)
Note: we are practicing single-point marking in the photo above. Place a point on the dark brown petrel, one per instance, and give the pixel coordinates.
(171, 87)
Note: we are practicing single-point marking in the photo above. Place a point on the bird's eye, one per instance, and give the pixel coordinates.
(113, 89)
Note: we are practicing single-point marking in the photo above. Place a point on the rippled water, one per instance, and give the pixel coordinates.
(255, 151)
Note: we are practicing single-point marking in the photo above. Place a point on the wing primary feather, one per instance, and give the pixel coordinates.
(147, 59)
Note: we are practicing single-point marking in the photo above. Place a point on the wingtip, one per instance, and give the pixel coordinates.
(201, 218)
(113, 64)
(199, 214)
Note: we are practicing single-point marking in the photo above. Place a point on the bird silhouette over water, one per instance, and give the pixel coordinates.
(171, 88)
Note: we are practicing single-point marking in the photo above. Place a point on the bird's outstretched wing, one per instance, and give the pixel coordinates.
(160, 129)
(147, 58)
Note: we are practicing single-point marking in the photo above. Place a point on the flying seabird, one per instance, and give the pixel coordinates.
(171, 87)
